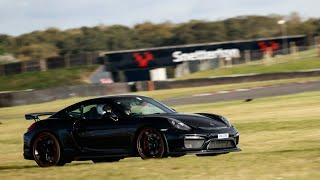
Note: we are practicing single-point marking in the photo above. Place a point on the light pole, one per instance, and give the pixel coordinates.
(283, 27)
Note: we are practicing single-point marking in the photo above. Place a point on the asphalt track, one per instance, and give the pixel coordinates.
(246, 94)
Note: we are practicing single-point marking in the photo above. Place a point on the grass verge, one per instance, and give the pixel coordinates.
(279, 137)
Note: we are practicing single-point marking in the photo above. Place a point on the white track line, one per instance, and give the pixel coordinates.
(204, 94)
(223, 92)
(239, 90)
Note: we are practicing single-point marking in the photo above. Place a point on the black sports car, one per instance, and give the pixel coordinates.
(111, 128)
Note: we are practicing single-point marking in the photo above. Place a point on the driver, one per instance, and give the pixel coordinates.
(103, 109)
(107, 109)
(125, 106)
(100, 109)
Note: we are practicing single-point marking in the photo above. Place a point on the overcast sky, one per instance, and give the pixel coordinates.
(22, 16)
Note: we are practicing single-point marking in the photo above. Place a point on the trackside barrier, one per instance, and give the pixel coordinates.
(45, 95)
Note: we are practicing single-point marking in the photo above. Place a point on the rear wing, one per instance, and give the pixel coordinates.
(35, 116)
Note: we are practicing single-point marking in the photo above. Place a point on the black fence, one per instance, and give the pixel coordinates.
(49, 63)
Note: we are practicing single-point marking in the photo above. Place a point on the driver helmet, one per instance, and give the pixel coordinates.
(100, 109)
(107, 108)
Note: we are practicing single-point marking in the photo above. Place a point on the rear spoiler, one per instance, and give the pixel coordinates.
(35, 116)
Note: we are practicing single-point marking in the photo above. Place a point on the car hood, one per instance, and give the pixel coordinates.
(196, 120)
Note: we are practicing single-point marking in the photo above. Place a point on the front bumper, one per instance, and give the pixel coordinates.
(203, 143)
(213, 152)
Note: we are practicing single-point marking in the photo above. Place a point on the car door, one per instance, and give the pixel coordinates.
(95, 132)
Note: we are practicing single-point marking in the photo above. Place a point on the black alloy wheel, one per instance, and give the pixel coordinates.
(150, 144)
(46, 150)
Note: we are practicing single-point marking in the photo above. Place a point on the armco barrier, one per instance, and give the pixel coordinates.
(45, 95)
(230, 79)
(38, 96)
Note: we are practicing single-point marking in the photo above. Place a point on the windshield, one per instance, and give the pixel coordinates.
(141, 106)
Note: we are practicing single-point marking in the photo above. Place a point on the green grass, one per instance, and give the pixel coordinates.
(47, 79)
(279, 137)
(302, 61)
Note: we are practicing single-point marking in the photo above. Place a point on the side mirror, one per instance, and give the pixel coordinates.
(112, 116)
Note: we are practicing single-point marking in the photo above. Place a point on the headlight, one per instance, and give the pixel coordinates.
(178, 124)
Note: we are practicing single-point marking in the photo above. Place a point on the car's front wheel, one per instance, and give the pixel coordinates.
(47, 151)
(150, 144)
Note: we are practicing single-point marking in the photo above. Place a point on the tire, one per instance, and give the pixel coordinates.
(150, 144)
(103, 160)
(46, 150)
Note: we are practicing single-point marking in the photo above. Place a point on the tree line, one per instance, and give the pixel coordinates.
(53, 42)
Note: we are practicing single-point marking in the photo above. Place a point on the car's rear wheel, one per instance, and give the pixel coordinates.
(47, 151)
(150, 144)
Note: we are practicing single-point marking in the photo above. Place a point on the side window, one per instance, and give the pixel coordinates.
(76, 113)
(91, 111)
(89, 108)
(145, 108)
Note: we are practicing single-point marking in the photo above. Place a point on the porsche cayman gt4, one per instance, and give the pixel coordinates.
(107, 129)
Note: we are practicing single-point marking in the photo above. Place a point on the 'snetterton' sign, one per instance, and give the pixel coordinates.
(226, 54)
